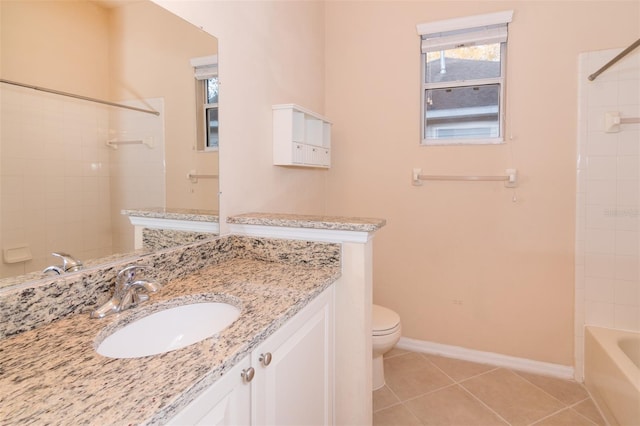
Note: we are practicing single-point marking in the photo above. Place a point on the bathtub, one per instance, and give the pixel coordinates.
(612, 373)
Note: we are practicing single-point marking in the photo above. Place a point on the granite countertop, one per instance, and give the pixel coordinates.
(362, 224)
(52, 374)
(196, 215)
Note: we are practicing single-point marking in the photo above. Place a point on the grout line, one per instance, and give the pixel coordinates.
(425, 356)
(412, 413)
(560, 411)
(547, 393)
(485, 405)
(429, 393)
(548, 415)
(597, 407)
(398, 401)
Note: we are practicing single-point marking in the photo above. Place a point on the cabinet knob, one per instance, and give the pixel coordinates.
(265, 359)
(247, 374)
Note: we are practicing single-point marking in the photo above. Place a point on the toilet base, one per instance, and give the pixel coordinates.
(378, 372)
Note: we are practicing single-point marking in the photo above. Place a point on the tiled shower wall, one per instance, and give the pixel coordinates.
(61, 187)
(54, 178)
(137, 171)
(608, 199)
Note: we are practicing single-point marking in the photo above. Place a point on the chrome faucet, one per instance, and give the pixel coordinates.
(69, 264)
(131, 290)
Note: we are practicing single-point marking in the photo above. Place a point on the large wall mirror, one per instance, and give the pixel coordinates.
(68, 167)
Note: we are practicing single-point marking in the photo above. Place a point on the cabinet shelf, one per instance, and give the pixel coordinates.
(300, 137)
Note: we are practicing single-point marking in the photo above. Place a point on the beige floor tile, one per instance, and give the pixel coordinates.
(566, 391)
(515, 399)
(588, 409)
(566, 417)
(398, 415)
(458, 369)
(394, 352)
(411, 375)
(452, 406)
(383, 398)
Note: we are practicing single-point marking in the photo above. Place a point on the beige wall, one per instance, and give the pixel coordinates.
(270, 53)
(36, 34)
(54, 174)
(462, 263)
(149, 58)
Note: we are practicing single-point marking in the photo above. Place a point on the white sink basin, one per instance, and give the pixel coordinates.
(168, 330)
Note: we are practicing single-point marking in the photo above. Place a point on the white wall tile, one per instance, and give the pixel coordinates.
(602, 167)
(629, 92)
(601, 216)
(628, 142)
(628, 192)
(601, 191)
(602, 144)
(599, 314)
(627, 317)
(628, 167)
(610, 287)
(627, 292)
(628, 218)
(627, 243)
(627, 267)
(600, 266)
(600, 289)
(600, 241)
(603, 93)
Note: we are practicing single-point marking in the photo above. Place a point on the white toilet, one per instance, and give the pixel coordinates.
(386, 333)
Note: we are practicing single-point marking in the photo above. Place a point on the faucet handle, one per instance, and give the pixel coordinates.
(69, 263)
(130, 274)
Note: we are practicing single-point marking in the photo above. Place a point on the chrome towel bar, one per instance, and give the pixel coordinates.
(193, 176)
(510, 179)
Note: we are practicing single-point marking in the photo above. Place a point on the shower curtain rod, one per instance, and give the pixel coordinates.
(614, 60)
(84, 98)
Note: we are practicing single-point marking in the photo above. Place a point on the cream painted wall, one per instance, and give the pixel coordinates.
(41, 29)
(54, 180)
(149, 58)
(270, 52)
(461, 262)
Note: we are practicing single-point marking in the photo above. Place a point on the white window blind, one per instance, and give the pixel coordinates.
(463, 32)
(205, 67)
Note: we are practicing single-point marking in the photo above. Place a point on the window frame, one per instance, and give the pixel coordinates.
(460, 26)
(205, 69)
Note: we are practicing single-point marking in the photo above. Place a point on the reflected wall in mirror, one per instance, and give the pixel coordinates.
(64, 176)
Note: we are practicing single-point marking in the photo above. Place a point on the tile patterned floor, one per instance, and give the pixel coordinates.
(426, 389)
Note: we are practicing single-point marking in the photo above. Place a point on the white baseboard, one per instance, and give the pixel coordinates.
(498, 360)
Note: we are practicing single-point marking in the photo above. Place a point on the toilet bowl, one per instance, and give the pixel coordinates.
(386, 333)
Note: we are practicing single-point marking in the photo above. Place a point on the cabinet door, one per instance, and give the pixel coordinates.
(295, 386)
(227, 402)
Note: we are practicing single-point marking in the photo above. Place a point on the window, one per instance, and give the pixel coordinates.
(206, 75)
(463, 69)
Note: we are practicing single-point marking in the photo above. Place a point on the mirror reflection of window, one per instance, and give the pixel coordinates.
(211, 108)
(206, 75)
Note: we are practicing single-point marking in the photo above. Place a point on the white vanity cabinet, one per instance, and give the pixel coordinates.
(300, 137)
(294, 372)
(226, 403)
(287, 380)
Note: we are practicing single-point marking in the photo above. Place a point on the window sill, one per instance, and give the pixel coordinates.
(447, 142)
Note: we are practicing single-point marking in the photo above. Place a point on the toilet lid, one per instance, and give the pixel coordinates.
(384, 320)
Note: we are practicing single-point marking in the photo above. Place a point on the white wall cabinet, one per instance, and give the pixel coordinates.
(287, 380)
(300, 137)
